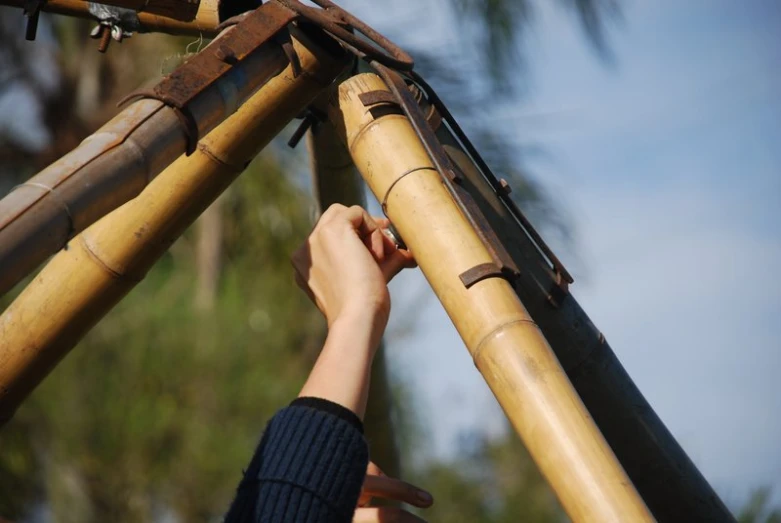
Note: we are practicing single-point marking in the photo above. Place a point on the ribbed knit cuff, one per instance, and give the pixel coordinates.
(330, 407)
(311, 467)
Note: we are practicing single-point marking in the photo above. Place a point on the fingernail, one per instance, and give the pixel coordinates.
(424, 496)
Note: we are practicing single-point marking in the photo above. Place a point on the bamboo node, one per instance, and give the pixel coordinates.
(498, 330)
(397, 180)
(55, 196)
(103, 264)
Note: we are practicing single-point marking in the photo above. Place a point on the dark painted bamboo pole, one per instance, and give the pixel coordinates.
(671, 485)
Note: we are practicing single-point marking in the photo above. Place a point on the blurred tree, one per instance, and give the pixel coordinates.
(494, 482)
(758, 509)
(161, 405)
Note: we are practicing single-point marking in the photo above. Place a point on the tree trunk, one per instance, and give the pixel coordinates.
(208, 252)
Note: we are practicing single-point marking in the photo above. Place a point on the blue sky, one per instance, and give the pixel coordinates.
(667, 161)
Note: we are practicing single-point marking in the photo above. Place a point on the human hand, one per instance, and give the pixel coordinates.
(378, 485)
(346, 263)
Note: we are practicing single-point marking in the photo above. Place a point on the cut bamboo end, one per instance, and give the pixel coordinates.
(508, 348)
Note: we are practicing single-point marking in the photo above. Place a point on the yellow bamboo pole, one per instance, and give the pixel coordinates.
(664, 476)
(82, 283)
(204, 22)
(175, 9)
(115, 164)
(507, 347)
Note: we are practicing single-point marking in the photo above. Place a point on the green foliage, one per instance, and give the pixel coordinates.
(757, 509)
(161, 406)
(495, 483)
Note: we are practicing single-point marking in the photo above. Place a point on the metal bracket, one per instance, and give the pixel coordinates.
(310, 117)
(373, 98)
(32, 10)
(562, 277)
(502, 266)
(182, 86)
(479, 273)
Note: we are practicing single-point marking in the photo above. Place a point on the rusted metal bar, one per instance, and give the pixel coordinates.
(115, 164)
(81, 284)
(671, 485)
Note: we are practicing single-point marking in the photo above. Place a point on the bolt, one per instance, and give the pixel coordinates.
(505, 186)
(225, 54)
(105, 38)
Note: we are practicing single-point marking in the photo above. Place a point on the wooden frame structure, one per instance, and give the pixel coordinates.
(121, 198)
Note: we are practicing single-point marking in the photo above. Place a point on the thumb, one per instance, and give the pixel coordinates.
(393, 264)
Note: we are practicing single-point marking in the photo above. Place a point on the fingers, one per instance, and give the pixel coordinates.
(395, 489)
(397, 261)
(370, 231)
(375, 242)
(384, 515)
(373, 470)
(361, 221)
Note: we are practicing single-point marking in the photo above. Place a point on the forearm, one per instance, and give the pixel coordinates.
(309, 466)
(341, 373)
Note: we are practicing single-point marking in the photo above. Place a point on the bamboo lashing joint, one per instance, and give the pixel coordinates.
(81, 284)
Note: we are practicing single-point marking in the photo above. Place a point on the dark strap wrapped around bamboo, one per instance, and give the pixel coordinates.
(119, 160)
(81, 284)
(507, 347)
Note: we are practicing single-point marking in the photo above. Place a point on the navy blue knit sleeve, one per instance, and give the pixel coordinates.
(308, 467)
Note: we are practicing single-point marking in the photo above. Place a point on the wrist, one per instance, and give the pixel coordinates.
(357, 315)
(364, 325)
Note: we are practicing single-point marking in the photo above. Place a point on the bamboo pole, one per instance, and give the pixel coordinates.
(82, 283)
(209, 15)
(669, 483)
(335, 180)
(116, 163)
(176, 9)
(667, 480)
(506, 345)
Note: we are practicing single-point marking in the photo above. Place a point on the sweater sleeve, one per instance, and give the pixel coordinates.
(309, 467)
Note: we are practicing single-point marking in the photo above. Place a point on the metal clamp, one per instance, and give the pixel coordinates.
(32, 10)
(181, 87)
